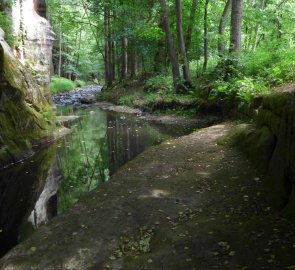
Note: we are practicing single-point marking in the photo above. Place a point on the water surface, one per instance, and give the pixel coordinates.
(55, 178)
(102, 141)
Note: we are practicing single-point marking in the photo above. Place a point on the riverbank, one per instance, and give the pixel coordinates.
(162, 100)
(88, 95)
(186, 204)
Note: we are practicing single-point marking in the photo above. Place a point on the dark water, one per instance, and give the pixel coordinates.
(55, 178)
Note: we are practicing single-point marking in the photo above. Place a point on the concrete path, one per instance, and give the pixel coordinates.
(186, 204)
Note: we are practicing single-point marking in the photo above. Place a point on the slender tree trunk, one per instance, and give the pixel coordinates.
(250, 38)
(132, 61)
(181, 45)
(106, 31)
(133, 64)
(191, 25)
(108, 59)
(206, 36)
(221, 28)
(256, 35)
(159, 61)
(79, 48)
(236, 28)
(279, 25)
(60, 50)
(113, 60)
(159, 58)
(170, 43)
(124, 59)
(110, 56)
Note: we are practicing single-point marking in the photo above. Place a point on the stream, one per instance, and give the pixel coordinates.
(55, 178)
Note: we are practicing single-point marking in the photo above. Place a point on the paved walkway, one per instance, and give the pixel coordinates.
(186, 204)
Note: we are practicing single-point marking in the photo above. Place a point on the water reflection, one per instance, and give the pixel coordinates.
(20, 187)
(46, 205)
(55, 178)
(101, 143)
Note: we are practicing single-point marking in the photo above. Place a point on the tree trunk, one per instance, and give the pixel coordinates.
(279, 25)
(160, 57)
(107, 59)
(159, 61)
(124, 59)
(256, 35)
(236, 28)
(190, 26)
(110, 56)
(132, 61)
(79, 48)
(221, 28)
(170, 43)
(181, 45)
(60, 50)
(113, 60)
(206, 35)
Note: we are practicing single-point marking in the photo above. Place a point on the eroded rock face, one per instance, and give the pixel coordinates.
(46, 205)
(35, 38)
(25, 115)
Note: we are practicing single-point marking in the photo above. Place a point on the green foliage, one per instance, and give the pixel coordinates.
(77, 39)
(237, 90)
(256, 73)
(83, 158)
(160, 83)
(273, 65)
(6, 25)
(59, 84)
(80, 83)
(267, 56)
(127, 100)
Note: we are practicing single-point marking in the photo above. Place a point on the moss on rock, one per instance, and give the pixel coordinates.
(270, 145)
(22, 108)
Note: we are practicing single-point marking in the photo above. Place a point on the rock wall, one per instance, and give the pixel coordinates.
(270, 144)
(34, 38)
(25, 114)
(20, 187)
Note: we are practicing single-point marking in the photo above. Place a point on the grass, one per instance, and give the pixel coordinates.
(60, 84)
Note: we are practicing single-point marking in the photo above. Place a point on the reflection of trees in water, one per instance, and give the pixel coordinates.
(20, 188)
(101, 143)
(126, 139)
(46, 205)
(83, 159)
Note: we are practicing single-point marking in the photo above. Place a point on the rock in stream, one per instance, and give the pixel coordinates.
(83, 95)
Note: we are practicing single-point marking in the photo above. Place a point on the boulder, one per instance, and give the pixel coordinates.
(88, 99)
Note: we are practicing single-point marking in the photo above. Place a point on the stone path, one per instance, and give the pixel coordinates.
(186, 204)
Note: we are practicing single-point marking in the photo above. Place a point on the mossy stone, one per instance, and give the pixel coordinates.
(25, 115)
